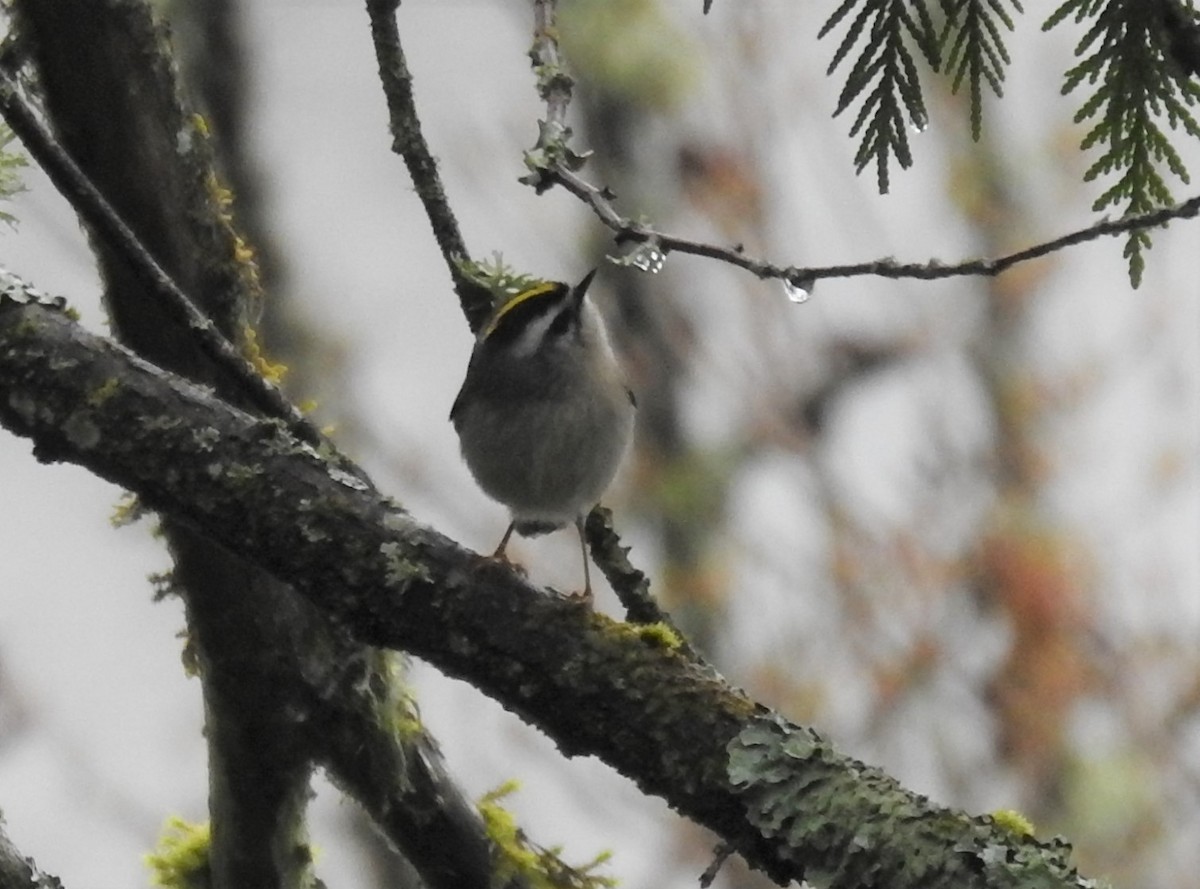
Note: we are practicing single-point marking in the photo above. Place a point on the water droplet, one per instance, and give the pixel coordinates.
(919, 124)
(799, 290)
(649, 258)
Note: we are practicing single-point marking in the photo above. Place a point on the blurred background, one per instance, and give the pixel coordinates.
(951, 525)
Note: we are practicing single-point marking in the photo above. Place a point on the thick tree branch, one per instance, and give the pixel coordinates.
(553, 162)
(780, 795)
(107, 84)
(272, 667)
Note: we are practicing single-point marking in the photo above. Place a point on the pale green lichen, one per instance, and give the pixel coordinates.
(242, 472)
(844, 823)
(24, 406)
(501, 280)
(206, 437)
(402, 570)
(81, 431)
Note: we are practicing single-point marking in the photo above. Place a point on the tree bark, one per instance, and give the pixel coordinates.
(779, 794)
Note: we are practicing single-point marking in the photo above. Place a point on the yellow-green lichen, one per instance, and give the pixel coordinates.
(659, 635)
(222, 197)
(514, 855)
(11, 162)
(242, 252)
(200, 125)
(127, 510)
(103, 392)
(397, 705)
(272, 371)
(180, 860)
(656, 635)
(1013, 821)
(406, 723)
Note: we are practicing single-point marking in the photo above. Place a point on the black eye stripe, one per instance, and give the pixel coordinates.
(524, 313)
(561, 324)
(512, 321)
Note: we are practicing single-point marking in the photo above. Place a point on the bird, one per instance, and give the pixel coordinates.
(544, 416)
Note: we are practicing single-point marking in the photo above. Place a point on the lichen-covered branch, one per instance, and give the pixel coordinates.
(18, 871)
(781, 795)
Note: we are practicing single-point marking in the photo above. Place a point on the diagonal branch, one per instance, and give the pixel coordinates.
(781, 795)
(95, 210)
(18, 871)
(409, 142)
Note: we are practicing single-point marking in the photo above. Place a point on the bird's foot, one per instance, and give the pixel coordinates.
(583, 598)
(501, 560)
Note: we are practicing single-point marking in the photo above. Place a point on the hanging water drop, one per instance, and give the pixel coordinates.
(799, 290)
(648, 257)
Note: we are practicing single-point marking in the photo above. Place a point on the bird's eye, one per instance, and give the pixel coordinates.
(561, 324)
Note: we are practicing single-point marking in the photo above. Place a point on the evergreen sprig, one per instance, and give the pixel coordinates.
(1127, 56)
(884, 75)
(973, 47)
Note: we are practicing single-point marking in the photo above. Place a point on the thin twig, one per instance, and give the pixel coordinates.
(95, 210)
(409, 142)
(556, 164)
(801, 276)
(554, 84)
(631, 585)
(720, 855)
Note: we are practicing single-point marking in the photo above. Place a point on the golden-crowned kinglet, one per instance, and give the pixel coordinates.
(544, 415)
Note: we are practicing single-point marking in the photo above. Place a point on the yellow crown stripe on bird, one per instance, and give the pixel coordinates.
(524, 296)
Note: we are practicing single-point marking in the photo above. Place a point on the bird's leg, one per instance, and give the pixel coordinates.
(499, 553)
(586, 595)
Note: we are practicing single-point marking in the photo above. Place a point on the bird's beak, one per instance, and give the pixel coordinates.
(582, 286)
